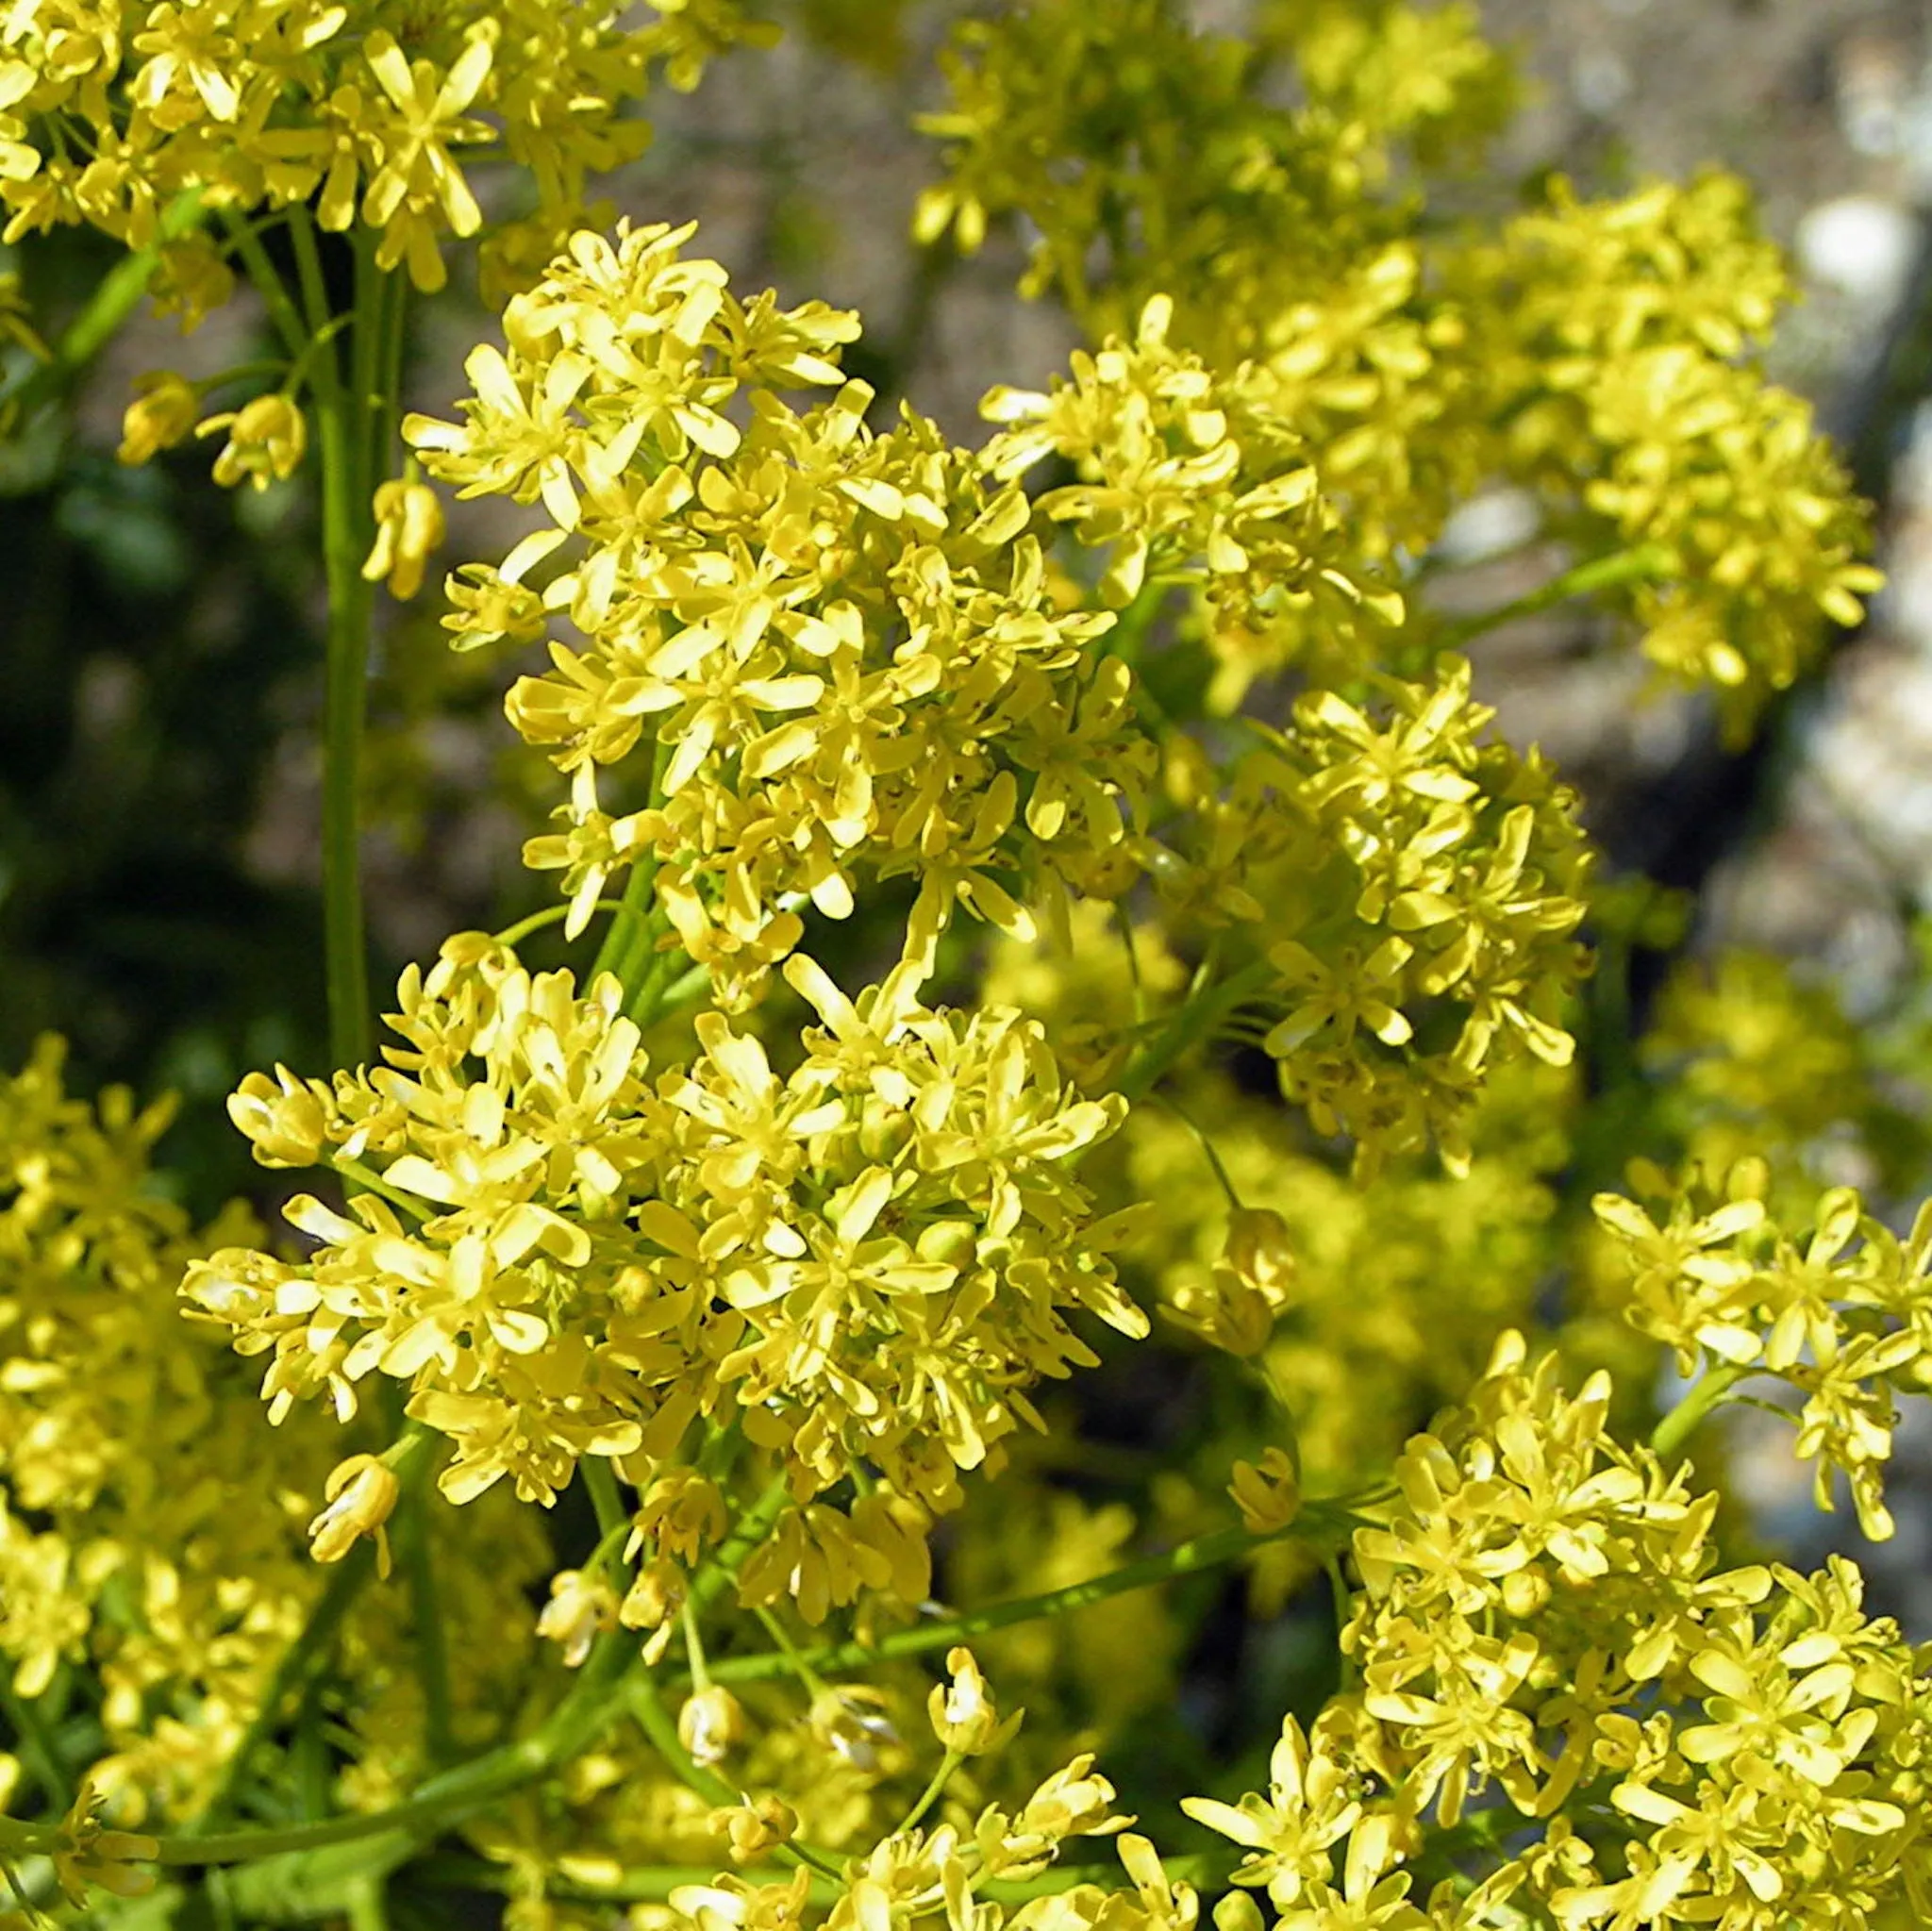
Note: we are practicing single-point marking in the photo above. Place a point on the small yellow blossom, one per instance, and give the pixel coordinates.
(582, 1609)
(409, 531)
(962, 1711)
(710, 1724)
(361, 1494)
(163, 413)
(267, 438)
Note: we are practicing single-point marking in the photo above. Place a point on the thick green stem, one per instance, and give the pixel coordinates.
(352, 419)
(1195, 1021)
(1670, 1435)
(1644, 564)
(416, 1557)
(602, 1482)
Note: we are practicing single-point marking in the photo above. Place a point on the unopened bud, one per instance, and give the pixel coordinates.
(409, 531)
(581, 1609)
(266, 441)
(361, 1495)
(710, 1723)
(755, 1827)
(161, 414)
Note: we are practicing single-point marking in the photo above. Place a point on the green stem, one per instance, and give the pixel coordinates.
(282, 311)
(1644, 564)
(815, 1684)
(367, 1180)
(37, 1746)
(554, 915)
(416, 1551)
(351, 420)
(1195, 1021)
(1668, 1438)
(1317, 1523)
(602, 1484)
(930, 1795)
(630, 927)
(1207, 1148)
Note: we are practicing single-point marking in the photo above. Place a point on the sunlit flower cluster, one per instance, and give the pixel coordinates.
(560, 1256)
(372, 110)
(824, 655)
(1601, 353)
(1841, 1314)
(638, 1320)
(1674, 1743)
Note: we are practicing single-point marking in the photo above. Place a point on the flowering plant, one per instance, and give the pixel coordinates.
(666, 1397)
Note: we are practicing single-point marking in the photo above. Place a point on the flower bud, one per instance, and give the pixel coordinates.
(853, 1721)
(1261, 1252)
(710, 1723)
(964, 1718)
(1225, 1312)
(409, 531)
(1238, 1911)
(755, 1827)
(266, 441)
(581, 1609)
(161, 414)
(1268, 1492)
(361, 1495)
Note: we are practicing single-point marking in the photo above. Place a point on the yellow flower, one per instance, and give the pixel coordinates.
(963, 1716)
(582, 1609)
(89, 1853)
(162, 414)
(1268, 1493)
(361, 1494)
(267, 438)
(409, 531)
(710, 1724)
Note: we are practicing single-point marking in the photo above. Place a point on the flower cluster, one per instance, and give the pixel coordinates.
(1622, 363)
(846, 645)
(867, 1261)
(1842, 1315)
(1414, 889)
(1237, 203)
(1600, 353)
(1676, 1742)
(367, 109)
(109, 1414)
(919, 1879)
(1187, 476)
